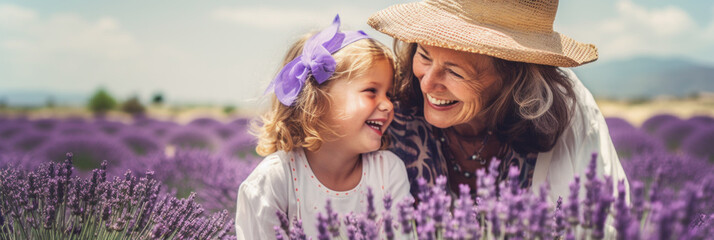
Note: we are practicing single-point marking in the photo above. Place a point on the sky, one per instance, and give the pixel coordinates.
(227, 52)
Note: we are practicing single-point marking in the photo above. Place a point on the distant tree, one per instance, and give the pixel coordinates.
(157, 99)
(229, 109)
(134, 107)
(101, 102)
(50, 102)
(3, 103)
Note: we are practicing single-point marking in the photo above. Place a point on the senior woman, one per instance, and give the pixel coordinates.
(482, 79)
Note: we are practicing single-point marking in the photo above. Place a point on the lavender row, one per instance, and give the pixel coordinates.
(50, 202)
(205, 156)
(502, 210)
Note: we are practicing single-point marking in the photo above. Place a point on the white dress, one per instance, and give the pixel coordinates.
(284, 181)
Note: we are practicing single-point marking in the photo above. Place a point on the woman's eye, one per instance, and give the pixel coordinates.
(424, 57)
(455, 74)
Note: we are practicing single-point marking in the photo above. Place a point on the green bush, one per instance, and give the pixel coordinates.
(101, 102)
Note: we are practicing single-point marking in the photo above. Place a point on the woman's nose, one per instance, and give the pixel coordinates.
(430, 80)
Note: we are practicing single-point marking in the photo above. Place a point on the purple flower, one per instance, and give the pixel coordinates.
(205, 122)
(387, 217)
(141, 144)
(602, 209)
(193, 137)
(699, 143)
(679, 168)
(192, 170)
(406, 215)
(592, 193)
(28, 140)
(240, 146)
(653, 123)
(638, 199)
(572, 210)
(673, 132)
(618, 124)
(332, 219)
(322, 225)
(107, 206)
(702, 119)
(45, 124)
(297, 232)
(110, 127)
(623, 219)
(284, 222)
(634, 141)
(89, 151)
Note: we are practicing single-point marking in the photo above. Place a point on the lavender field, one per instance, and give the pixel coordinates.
(164, 180)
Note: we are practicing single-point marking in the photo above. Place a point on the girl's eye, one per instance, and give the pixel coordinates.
(390, 96)
(371, 90)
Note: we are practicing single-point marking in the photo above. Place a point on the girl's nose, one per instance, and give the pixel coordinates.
(386, 105)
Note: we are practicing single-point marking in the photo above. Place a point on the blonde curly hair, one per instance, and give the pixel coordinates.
(302, 124)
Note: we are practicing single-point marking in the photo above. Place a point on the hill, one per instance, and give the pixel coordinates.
(646, 77)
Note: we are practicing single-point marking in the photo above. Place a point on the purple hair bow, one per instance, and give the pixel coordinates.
(316, 60)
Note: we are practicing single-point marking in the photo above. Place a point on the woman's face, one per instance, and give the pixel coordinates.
(455, 85)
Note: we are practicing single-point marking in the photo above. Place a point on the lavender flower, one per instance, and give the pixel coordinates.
(638, 200)
(602, 209)
(194, 137)
(88, 151)
(571, 208)
(653, 123)
(406, 215)
(322, 225)
(194, 170)
(332, 219)
(387, 217)
(296, 232)
(699, 143)
(633, 141)
(623, 219)
(74, 207)
(673, 132)
(618, 124)
(141, 144)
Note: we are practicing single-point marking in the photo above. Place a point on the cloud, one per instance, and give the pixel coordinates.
(11, 15)
(637, 30)
(281, 18)
(31, 37)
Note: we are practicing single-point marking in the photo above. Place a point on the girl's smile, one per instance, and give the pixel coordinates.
(361, 109)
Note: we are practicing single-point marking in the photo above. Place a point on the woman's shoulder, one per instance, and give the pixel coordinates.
(586, 119)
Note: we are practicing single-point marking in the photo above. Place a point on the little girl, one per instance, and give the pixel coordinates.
(321, 137)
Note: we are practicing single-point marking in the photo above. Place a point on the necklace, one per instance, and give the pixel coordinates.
(473, 157)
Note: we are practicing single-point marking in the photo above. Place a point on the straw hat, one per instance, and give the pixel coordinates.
(515, 30)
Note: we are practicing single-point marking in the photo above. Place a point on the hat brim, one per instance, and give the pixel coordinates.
(426, 24)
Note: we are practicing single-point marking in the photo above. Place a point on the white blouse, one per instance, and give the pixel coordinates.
(284, 181)
(572, 152)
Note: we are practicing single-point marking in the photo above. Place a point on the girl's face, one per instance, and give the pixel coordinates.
(455, 84)
(361, 108)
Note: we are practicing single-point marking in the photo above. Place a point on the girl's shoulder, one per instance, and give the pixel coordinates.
(274, 168)
(384, 158)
